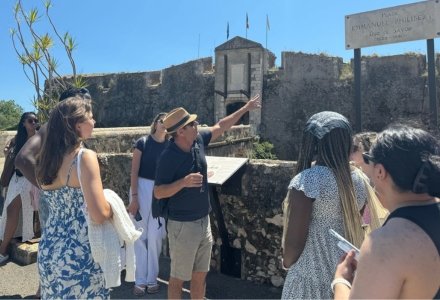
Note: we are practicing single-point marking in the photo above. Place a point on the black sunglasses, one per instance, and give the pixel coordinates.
(191, 124)
(367, 158)
(32, 121)
(84, 91)
(160, 121)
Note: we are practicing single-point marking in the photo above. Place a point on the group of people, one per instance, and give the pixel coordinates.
(331, 189)
(399, 259)
(72, 201)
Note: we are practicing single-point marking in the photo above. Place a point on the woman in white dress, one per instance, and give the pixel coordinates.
(328, 195)
(17, 216)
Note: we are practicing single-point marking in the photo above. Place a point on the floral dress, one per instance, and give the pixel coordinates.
(65, 263)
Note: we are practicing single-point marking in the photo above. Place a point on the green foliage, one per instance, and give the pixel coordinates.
(263, 151)
(10, 114)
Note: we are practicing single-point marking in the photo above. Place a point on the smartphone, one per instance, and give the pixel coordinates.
(343, 244)
(138, 216)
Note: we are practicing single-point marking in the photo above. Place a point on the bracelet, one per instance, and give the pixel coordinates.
(340, 280)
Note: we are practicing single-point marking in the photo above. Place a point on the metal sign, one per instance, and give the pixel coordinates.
(410, 22)
(221, 168)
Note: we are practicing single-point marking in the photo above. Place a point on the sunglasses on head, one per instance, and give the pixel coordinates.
(32, 121)
(84, 91)
(367, 158)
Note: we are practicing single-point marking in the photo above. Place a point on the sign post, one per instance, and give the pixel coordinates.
(410, 22)
(226, 172)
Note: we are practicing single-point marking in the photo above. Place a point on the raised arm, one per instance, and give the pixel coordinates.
(226, 123)
(26, 158)
(99, 209)
(299, 214)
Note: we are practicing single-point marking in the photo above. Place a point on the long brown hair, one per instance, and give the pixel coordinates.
(62, 137)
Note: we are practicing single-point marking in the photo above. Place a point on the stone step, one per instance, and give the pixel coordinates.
(25, 253)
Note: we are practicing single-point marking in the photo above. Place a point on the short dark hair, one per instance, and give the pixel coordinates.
(75, 91)
(403, 151)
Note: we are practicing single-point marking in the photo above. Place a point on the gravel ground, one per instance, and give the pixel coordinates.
(17, 282)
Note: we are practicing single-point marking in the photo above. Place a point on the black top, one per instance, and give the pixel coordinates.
(150, 154)
(426, 217)
(188, 204)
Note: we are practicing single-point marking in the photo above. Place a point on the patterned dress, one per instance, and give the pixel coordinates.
(310, 277)
(65, 263)
(19, 186)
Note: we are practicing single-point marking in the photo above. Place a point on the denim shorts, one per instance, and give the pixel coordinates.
(190, 247)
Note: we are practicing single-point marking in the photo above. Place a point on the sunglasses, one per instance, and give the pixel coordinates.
(191, 124)
(160, 121)
(32, 121)
(355, 148)
(367, 158)
(84, 91)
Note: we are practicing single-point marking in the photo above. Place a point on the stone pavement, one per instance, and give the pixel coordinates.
(18, 282)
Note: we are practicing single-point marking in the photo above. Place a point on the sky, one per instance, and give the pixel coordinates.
(145, 35)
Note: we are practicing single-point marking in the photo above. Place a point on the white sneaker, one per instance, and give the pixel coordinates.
(3, 258)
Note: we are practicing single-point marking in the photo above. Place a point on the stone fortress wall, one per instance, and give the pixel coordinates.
(394, 89)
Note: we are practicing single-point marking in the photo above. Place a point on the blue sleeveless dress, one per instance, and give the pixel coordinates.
(65, 263)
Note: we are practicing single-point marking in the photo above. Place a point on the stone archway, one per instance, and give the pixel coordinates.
(233, 107)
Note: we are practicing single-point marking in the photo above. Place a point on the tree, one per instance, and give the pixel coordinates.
(10, 114)
(37, 60)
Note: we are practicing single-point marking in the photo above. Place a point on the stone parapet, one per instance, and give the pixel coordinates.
(253, 220)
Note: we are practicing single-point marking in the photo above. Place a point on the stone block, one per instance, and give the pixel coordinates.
(25, 253)
(277, 280)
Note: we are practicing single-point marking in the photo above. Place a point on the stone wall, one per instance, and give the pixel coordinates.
(394, 90)
(134, 99)
(253, 220)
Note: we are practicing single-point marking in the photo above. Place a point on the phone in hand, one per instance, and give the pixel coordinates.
(343, 244)
(138, 216)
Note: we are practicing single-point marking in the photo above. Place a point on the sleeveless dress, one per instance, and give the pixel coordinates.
(65, 263)
(310, 277)
(427, 217)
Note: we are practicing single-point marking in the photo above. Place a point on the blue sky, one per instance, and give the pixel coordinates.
(143, 35)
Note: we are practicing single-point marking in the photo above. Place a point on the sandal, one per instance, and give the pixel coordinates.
(140, 288)
(153, 288)
(3, 258)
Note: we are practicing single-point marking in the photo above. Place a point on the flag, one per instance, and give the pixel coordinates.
(227, 31)
(247, 21)
(267, 22)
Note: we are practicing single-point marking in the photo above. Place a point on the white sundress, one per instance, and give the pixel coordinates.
(310, 277)
(25, 228)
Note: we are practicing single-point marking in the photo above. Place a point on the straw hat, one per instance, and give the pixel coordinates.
(176, 119)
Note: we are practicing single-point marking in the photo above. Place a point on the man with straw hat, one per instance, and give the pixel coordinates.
(181, 176)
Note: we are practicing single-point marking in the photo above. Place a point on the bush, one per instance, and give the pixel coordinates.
(263, 151)
(10, 114)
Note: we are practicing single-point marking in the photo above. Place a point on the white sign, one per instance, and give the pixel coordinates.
(410, 22)
(221, 168)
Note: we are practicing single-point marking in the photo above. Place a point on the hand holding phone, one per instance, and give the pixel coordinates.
(343, 244)
(138, 217)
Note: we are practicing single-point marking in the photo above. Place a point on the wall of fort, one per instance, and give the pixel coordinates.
(394, 89)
